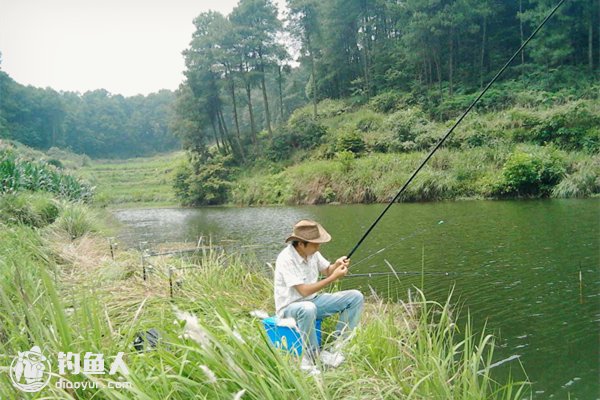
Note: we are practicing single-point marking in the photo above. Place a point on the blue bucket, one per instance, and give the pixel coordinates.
(287, 338)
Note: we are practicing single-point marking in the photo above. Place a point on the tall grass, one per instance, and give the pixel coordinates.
(216, 350)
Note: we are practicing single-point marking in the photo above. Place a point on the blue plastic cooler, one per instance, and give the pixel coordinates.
(287, 338)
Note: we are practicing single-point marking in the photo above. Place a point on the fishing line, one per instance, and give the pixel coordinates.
(415, 233)
(458, 121)
(409, 273)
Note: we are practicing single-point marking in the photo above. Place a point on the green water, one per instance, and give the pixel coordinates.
(515, 265)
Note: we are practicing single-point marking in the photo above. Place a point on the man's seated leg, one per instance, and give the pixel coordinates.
(305, 314)
(348, 303)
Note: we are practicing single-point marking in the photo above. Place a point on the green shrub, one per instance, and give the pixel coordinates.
(46, 207)
(568, 128)
(369, 122)
(531, 173)
(403, 123)
(204, 181)
(330, 108)
(346, 159)
(350, 142)
(57, 163)
(76, 220)
(386, 102)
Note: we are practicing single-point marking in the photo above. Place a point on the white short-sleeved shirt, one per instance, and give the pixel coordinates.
(292, 269)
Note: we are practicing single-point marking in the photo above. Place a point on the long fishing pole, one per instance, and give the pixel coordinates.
(458, 121)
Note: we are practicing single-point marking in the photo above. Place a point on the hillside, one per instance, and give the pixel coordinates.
(535, 144)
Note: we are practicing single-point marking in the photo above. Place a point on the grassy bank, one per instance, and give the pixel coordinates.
(62, 291)
(136, 182)
(480, 173)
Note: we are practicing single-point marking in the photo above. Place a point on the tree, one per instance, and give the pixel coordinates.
(304, 26)
(257, 25)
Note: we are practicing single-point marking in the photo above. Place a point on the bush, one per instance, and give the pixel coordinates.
(350, 142)
(330, 108)
(531, 173)
(403, 123)
(368, 122)
(204, 181)
(568, 128)
(386, 102)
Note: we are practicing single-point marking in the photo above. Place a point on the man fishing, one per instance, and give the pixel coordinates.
(297, 292)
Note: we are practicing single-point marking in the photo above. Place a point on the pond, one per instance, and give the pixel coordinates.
(529, 270)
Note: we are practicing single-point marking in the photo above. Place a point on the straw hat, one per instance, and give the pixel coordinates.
(309, 231)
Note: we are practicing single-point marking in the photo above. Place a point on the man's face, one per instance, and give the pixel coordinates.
(310, 248)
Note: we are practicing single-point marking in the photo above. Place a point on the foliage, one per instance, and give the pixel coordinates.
(350, 142)
(17, 174)
(386, 101)
(96, 123)
(76, 220)
(32, 209)
(532, 173)
(583, 182)
(204, 181)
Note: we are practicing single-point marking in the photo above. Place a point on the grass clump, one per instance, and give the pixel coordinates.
(32, 209)
(76, 220)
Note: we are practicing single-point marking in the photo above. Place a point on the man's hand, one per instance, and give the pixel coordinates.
(340, 271)
(340, 262)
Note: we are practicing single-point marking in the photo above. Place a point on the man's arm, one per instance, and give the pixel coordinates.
(306, 289)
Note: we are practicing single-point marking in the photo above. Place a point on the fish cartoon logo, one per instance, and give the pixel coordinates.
(30, 370)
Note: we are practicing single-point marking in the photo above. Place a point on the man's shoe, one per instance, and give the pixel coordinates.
(332, 360)
(307, 365)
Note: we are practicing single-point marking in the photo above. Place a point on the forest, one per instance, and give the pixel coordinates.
(342, 80)
(95, 123)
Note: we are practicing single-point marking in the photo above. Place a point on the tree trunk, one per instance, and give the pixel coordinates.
(222, 133)
(235, 115)
(591, 42)
(521, 30)
(226, 133)
(265, 99)
(366, 58)
(252, 126)
(451, 63)
(212, 122)
(482, 58)
(439, 75)
(314, 75)
(280, 94)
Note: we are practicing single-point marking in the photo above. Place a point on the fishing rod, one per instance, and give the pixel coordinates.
(458, 121)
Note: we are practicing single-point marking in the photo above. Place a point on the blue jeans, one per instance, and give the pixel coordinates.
(348, 303)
